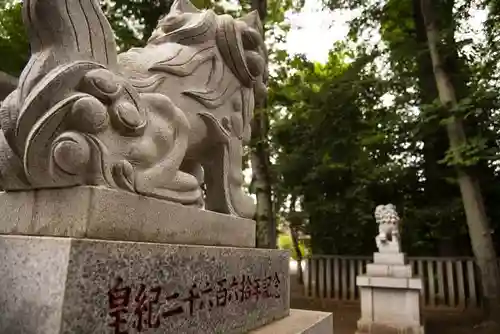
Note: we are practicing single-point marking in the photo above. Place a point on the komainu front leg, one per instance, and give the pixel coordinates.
(167, 137)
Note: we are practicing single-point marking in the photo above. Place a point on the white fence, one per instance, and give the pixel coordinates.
(448, 282)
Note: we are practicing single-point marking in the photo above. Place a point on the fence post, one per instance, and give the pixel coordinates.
(321, 277)
(451, 283)
(343, 272)
(471, 277)
(336, 276)
(432, 289)
(352, 278)
(307, 278)
(329, 278)
(314, 277)
(460, 284)
(447, 282)
(440, 281)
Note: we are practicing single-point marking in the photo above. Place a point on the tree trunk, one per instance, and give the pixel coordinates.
(437, 190)
(477, 221)
(261, 171)
(295, 239)
(293, 224)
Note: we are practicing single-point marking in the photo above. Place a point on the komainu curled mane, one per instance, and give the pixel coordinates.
(388, 221)
(162, 121)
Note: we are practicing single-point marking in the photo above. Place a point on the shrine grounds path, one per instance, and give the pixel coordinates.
(437, 321)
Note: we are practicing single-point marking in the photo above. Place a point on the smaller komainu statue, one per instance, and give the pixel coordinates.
(168, 120)
(388, 238)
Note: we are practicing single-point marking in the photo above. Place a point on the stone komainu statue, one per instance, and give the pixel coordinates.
(388, 222)
(163, 121)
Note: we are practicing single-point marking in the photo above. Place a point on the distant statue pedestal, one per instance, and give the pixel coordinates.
(390, 295)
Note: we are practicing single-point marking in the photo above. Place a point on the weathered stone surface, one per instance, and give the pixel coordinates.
(412, 283)
(166, 121)
(31, 284)
(103, 213)
(300, 322)
(376, 328)
(394, 305)
(388, 238)
(389, 258)
(64, 285)
(390, 295)
(389, 270)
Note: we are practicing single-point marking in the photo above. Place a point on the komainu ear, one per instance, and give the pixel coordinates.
(183, 6)
(252, 19)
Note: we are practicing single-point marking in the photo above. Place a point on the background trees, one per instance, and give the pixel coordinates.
(366, 127)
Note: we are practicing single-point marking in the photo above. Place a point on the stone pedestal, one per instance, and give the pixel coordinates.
(390, 297)
(72, 282)
(300, 322)
(66, 285)
(103, 213)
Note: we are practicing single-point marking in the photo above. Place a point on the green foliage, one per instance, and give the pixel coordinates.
(342, 152)
(334, 147)
(340, 147)
(14, 47)
(466, 155)
(285, 242)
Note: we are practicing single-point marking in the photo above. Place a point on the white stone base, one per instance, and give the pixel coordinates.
(370, 327)
(389, 258)
(387, 270)
(390, 305)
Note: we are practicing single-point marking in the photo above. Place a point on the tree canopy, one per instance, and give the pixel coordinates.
(364, 128)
